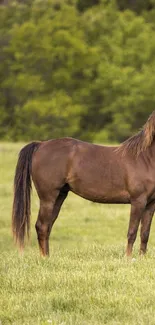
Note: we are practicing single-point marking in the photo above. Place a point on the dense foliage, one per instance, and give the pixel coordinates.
(72, 69)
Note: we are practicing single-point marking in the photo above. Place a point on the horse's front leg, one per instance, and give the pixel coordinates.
(137, 209)
(146, 225)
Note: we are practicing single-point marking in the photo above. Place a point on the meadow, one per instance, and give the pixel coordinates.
(87, 280)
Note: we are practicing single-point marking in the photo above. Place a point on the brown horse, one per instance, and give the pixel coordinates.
(105, 174)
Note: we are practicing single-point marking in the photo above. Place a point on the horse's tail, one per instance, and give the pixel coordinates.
(22, 194)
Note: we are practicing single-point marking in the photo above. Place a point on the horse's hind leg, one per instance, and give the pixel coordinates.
(146, 225)
(48, 213)
(137, 209)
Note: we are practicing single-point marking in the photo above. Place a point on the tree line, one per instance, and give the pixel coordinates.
(76, 68)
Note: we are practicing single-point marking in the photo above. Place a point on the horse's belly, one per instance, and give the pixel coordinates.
(101, 195)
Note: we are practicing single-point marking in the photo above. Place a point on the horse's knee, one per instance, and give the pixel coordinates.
(144, 237)
(131, 236)
(42, 229)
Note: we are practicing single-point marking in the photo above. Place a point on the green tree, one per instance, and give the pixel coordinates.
(85, 72)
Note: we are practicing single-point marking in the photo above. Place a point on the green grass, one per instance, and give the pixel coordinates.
(87, 280)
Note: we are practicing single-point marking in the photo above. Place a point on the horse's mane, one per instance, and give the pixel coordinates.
(140, 141)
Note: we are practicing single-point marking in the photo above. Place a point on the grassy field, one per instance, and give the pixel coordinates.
(87, 280)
